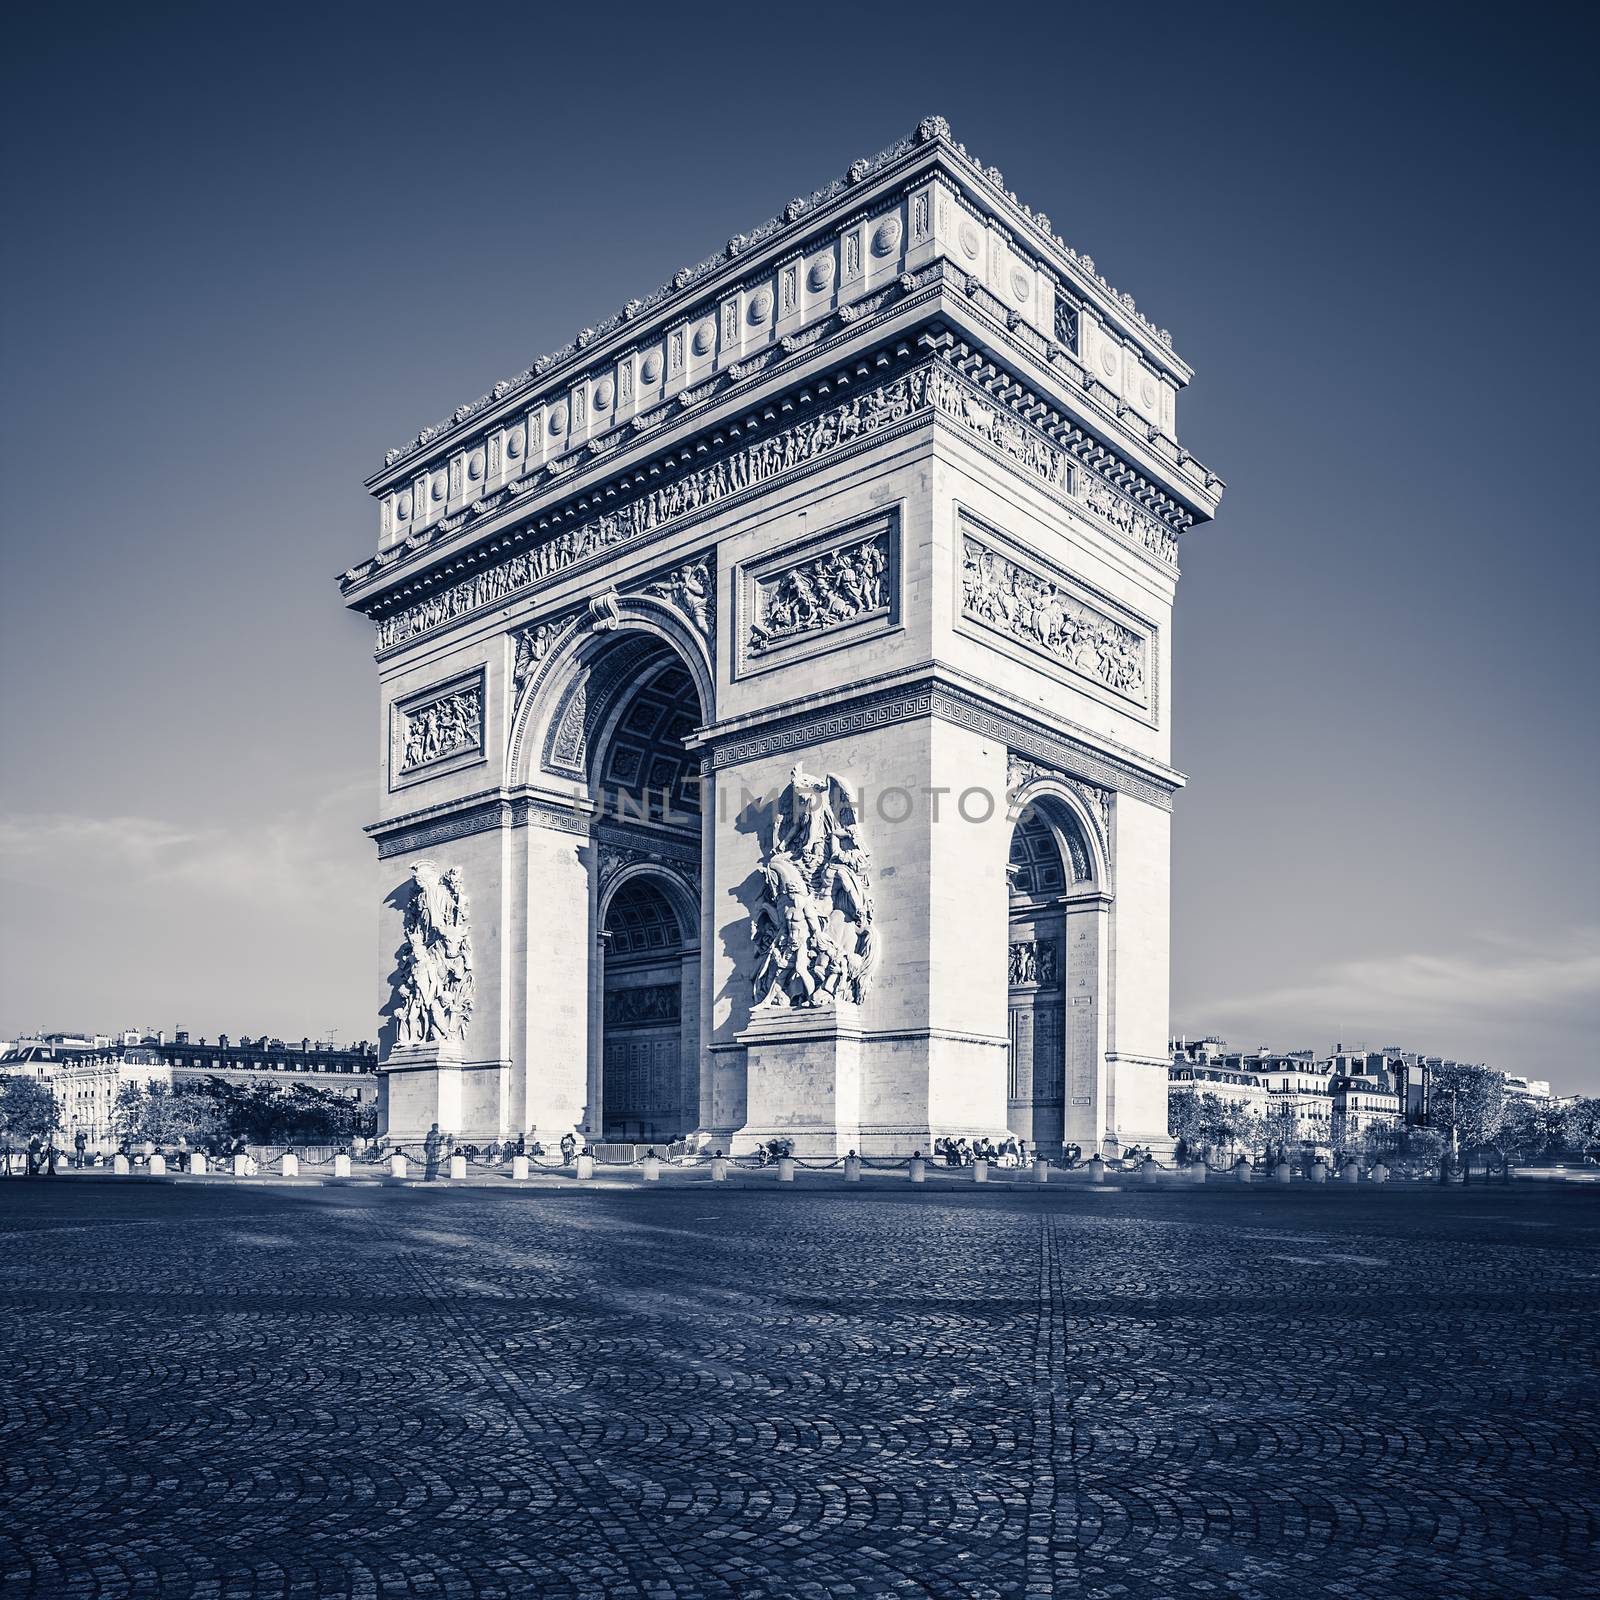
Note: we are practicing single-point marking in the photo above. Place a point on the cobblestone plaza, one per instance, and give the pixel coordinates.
(236, 1390)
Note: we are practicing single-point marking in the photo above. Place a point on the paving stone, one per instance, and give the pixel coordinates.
(257, 1393)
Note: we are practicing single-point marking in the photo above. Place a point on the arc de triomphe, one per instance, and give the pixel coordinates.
(776, 699)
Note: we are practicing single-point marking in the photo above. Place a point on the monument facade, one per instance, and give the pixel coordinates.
(776, 731)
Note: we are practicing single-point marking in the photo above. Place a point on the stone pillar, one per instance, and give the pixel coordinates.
(557, 973)
(1088, 1111)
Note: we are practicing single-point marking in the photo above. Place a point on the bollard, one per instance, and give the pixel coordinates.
(158, 1166)
(785, 1169)
(341, 1165)
(1380, 1173)
(585, 1166)
(918, 1170)
(980, 1171)
(1281, 1173)
(852, 1168)
(1352, 1172)
(1319, 1171)
(1149, 1172)
(291, 1164)
(241, 1165)
(650, 1168)
(197, 1162)
(458, 1168)
(119, 1165)
(1097, 1168)
(397, 1165)
(1197, 1172)
(1041, 1172)
(1243, 1171)
(519, 1169)
(719, 1169)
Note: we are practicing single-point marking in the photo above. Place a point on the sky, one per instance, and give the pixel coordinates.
(247, 249)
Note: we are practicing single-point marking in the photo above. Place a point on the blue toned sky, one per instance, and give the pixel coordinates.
(246, 249)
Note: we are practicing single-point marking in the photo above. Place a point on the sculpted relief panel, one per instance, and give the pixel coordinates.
(1033, 964)
(444, 727)
(813, 933)
(433, 998)
(1050, 617)
(842, 586)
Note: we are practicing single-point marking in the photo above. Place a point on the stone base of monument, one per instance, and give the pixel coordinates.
(421, 1084)
(804, 1077)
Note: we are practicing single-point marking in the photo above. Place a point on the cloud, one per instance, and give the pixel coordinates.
(316, 850)
(1493, 999)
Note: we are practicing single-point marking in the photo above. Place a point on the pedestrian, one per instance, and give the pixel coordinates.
(431, 1147)
(80, 1143)
(569, 1148)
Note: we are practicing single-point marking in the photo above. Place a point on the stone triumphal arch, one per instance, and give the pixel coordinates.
(776, 685)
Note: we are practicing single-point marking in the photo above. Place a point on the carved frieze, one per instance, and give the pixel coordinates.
(813, 932)
(641, 1006)
(433, 997)
(997, 427)
(744, 468)
(844, 585)
(1126, 517)
(1045, 612)
(1034, 964)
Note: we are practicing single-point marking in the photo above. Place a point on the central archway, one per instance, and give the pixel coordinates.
(649, 1085)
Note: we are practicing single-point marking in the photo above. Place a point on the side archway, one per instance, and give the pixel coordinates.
(1056, 972)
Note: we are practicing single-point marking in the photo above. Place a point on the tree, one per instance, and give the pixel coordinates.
(1472, 1100)
(28, 1109)
(1532, 1128)
(165, 1115)
(1183, 1117)
(1580, 1125)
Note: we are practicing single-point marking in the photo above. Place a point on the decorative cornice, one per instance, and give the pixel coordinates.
(737, 459)
(798, 216)
(848, 715)
(731, 473)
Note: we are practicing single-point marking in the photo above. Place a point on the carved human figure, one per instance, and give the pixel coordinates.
(434, 993)
(813, 930)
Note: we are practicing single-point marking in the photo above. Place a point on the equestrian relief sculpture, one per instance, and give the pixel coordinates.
(435, 990)
(813, 931)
